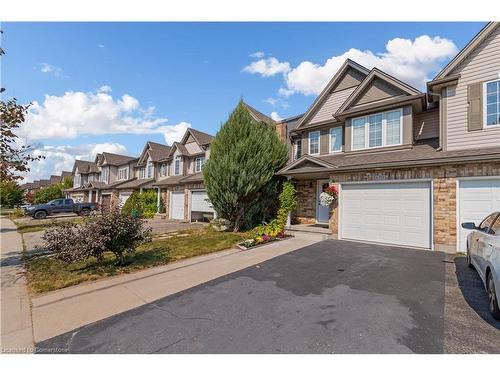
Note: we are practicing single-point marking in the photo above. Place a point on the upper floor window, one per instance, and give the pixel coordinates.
(492, 110)
(198, 163)
(90, 177)
(177, 165)
(336, 139)
(314, 143)
(297, 148)
(77, 179)
(142, 173)
(123, 173)
(378, 130)
(150, 169)
(104, 174)
(164, 170)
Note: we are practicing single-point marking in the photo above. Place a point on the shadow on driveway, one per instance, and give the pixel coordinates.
(472, 289)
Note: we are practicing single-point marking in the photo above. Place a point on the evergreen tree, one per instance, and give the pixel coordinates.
(240, 173)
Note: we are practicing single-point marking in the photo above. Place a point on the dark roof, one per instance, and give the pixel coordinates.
(158, 151)
(196, 177)
(44, 182)
(135, 183)
(85, 166)
(420, 154)
(259, 116)
(116, 159)
(172, 180)
(201, 137)
(55, 179)
(66, 174)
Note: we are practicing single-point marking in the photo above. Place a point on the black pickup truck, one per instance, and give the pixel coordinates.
(59, 206)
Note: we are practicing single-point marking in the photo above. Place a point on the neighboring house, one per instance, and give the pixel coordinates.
(84, 174)
(144, 172)
(180, 178)
(409, 166)
(114, 171)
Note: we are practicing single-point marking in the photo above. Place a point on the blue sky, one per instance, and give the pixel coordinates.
(191, 73)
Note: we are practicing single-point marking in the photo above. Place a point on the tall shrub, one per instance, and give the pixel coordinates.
(49, 193)
(11, 194)
(288, 203)
(142, 204)
(240, 174)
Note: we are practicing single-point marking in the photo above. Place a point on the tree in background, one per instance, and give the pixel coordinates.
(48, 193)
(240, 174)
(67, 183)
(141, 204)
(11, 195)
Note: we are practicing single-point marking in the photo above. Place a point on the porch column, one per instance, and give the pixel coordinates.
(158, 200)
(289, 216)
(90, 196)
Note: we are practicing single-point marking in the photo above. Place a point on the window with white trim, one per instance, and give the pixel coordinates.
(123, 173)
(336, 139)
(198, 163)
(314, 143)
(492, 103)
(142, 173)
(150, 169)
(164, 170)
(297, 148)
(104, 174)
(377, 130)
(177, 165)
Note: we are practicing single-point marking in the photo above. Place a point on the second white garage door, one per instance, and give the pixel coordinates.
(177, 205)
(477, 199)
(392, 213)
(199, 201)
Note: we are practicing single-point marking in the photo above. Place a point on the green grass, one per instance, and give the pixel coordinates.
(37, 226)
(46, 274)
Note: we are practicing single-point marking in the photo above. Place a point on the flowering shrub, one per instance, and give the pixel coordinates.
(111, 232)
(332, 190)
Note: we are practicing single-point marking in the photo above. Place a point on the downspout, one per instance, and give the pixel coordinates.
(431, 93)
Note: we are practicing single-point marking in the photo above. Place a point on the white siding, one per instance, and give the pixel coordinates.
(481, 65)
(332, 102)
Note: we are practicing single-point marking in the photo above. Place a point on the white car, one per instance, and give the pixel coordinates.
(483, 253)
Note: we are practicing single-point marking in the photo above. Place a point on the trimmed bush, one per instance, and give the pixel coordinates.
(141, 204)
(49, 193)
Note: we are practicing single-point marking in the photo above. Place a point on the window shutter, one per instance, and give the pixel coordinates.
(475, 110)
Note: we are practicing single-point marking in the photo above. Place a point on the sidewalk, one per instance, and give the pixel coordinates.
(16, 327)
(61, 311)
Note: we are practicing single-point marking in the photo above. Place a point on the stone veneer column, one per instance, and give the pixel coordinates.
(334, 215)
(166, 201)
(445, 213)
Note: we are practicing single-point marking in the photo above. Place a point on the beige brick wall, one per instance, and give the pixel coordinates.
(306, 199)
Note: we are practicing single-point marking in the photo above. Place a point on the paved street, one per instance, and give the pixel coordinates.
(330, 297)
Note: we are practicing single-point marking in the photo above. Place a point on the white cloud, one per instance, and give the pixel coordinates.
(277, 101)
(100, 45)
(409, 60)
(257, 55)
(62, 158)
(267, 67)
(275, 116)
(52, 70)
(78, 113)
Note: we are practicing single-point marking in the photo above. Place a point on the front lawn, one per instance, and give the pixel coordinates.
(46, 274)
(26, 226)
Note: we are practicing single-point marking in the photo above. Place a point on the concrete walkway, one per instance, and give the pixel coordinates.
(16, 327)
(61, 311)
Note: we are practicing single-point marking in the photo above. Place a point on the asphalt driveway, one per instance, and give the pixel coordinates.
(330, 297)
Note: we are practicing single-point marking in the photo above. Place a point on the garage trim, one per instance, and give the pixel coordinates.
(429, 180)
(457, 211)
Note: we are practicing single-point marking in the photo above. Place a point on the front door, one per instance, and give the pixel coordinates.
(322, 212)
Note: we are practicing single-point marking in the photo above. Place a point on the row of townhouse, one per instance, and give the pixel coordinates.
(173, 172)
(410, 166)
(32, 187)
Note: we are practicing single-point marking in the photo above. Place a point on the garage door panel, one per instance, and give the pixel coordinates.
(177, 203)
(477, 199)
(397, 213)
(200, 202)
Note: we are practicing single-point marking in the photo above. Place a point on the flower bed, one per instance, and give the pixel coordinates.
(262, 240)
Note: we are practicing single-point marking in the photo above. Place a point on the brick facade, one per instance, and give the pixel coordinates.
(444, 182)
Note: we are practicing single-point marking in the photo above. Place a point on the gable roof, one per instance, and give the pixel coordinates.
(85, 166)
(200, 137)
(116, 159)
(66, 174)
(156, 151)
(55, 179)
(335, 79)
(307, 163)
(377, 74)
(467, 50)
(259, 116)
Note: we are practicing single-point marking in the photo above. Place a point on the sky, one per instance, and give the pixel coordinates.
(113, 86)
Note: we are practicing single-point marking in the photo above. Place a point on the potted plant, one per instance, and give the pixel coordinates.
(329, 196)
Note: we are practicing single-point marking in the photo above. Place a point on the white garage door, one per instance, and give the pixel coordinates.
(123, 198)
(392, 213)
(477, 199)
(177, 205)
(199, 202)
